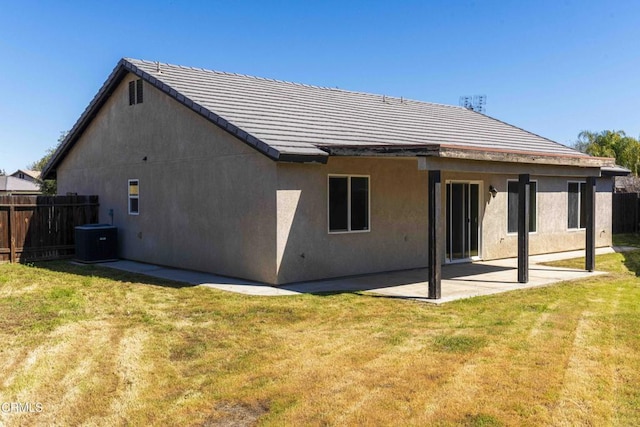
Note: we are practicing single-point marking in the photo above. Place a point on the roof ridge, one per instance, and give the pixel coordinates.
(329, 88)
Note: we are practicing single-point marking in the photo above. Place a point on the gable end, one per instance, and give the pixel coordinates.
(209, 115)
(119, 72)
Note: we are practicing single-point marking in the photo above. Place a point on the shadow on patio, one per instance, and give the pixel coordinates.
(459, 281)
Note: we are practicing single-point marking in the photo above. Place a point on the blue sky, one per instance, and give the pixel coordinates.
(551, 67)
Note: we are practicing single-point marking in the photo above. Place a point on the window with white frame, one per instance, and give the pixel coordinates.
(134, 197)
(577, 203)
(512, 206)
(348, 203)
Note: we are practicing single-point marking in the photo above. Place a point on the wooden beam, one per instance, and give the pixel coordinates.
(473, 166)
(519, 156)
(590, 224)
(435, 246)
(523, 228)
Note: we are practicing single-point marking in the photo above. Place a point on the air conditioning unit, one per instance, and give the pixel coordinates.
(96, 243)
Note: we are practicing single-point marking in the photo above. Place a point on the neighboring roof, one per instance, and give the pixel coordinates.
(30, 173)
(297, 122)
(627, 184)
(11, 184)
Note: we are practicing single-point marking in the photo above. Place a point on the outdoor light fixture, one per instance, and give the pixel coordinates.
(493, 191)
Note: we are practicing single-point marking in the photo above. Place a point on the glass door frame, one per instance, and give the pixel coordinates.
(448, 220)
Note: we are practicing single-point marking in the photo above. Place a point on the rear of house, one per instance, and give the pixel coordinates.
(280, 182)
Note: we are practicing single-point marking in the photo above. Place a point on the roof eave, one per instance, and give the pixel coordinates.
(396, 150)
(615, 171)
(531, 157)
(303, 158)
(468, 153)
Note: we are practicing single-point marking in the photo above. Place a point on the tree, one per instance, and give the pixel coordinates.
(2, 172)
(48, 186)
(40, 164)
(609, 143)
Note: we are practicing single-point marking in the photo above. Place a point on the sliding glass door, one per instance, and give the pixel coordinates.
(463, 221)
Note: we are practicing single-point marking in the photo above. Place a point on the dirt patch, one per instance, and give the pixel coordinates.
(229, 414)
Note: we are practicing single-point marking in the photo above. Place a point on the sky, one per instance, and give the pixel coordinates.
(554, 68)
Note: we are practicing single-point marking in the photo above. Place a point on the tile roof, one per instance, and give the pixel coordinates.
(297, 122)
(302, 119)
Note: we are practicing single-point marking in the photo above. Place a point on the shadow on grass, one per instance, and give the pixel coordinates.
(631, 258)
(627, 239)
(632, 261)
(97, 270)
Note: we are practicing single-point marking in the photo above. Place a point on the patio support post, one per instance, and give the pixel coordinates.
(435, 248)
(523, 228)
(590, 224)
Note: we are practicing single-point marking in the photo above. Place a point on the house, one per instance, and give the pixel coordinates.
(281, 182)
(29, 175)
(14, 185)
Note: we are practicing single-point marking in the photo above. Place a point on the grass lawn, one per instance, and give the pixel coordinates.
(95, 346)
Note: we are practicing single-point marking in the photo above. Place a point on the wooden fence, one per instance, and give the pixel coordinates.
(42, 227)
(625, 210)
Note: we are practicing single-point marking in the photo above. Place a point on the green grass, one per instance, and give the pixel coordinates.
(458, 344)
(629, 239)
(101, 347)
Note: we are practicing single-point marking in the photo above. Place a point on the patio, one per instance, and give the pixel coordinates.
(458, 280)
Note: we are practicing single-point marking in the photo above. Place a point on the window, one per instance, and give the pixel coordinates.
(134, 197)
(135, 92)
(348, 203)
(512, 206)
(577, 197)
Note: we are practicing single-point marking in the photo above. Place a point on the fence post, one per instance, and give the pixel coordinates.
(635, 213)
(12, 233)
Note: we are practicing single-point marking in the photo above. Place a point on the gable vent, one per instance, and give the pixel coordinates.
(132, 93)
(135, 92)
(139, 91)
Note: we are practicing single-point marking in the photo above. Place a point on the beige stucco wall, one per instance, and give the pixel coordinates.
(398, 236)
(207, 200)
(398, 226)
(552, 233)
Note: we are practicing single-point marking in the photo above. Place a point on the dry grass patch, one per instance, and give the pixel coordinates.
(100, 347)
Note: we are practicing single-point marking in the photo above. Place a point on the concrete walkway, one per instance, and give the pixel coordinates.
(458, 280)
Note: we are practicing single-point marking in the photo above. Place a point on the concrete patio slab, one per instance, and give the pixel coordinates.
(458, 280)
(196, 278)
